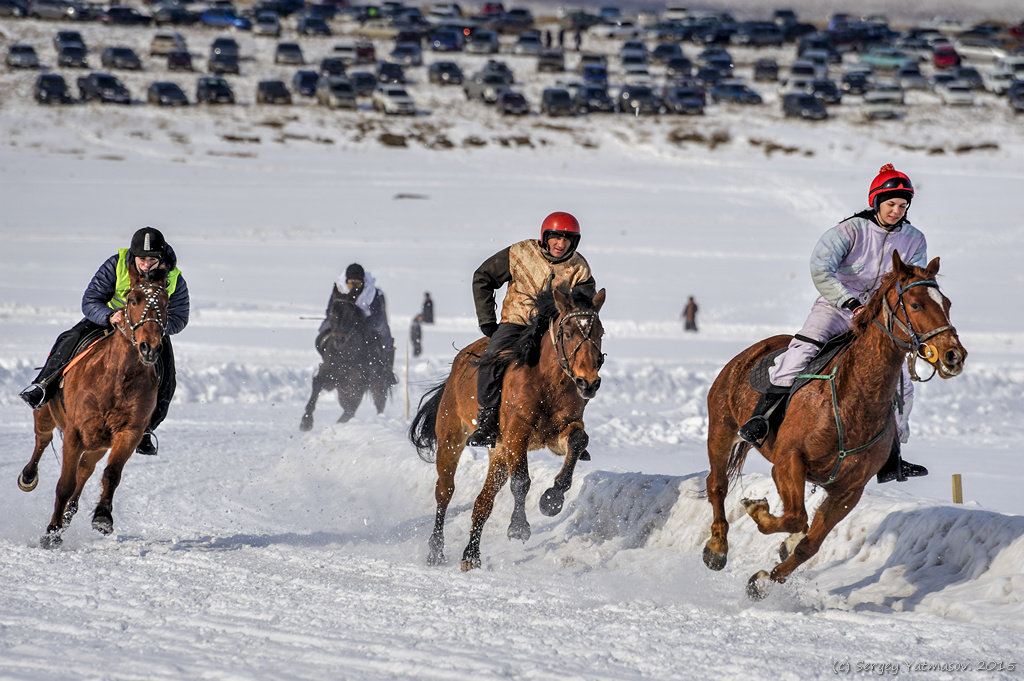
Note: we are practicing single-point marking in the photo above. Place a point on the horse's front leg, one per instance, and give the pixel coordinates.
(573, 440)
(519, 484)
(721, 441)
(497, 474)
(451, 442)
(307, 416)
(44, 424)
(123, 445)
(790, 478)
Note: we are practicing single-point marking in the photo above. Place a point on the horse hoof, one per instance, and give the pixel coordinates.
(103, 524)
(551, 502)
(306, 424)
(754, 506)
(789, 545)
(51, 540)
(584, 455)
(469, 564)
(757, 587)
(520, 532)
(715, 561)
(27, 485)
(435, 559)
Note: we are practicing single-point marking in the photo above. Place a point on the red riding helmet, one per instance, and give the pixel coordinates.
(889, 184)
(562, 224)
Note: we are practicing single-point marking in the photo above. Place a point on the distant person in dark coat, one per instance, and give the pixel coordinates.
(579, 39)
(416, 335)
(690, 315)
(428, 309)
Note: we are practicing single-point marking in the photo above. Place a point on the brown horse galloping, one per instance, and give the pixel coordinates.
(837, 433)
(105, 403)
(542, 406)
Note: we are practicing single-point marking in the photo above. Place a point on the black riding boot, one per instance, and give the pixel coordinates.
(896, 468)
(149, 445)
(45, 384)
(486, 433)
(756, 429)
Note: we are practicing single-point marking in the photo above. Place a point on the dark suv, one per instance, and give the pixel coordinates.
(214, 90)
(51, 88)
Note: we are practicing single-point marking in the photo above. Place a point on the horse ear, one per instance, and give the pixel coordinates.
(897, 263)
(561, 300)
(598, 301)
(933, 267)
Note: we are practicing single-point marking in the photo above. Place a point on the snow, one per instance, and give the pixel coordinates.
(249, 550)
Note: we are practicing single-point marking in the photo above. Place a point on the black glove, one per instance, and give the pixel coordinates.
(488, 329)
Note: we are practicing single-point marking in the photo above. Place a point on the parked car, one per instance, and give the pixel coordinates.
(393, 100)
(592, 97)
(22, 56)
(886, 58)
(555, 101)
(997, 81)
(125, 16)
(683, 99)
(289, 53)
(856, 81)
(163, 44)
(175, 15)
(528, 43)
(333, 66)
(551, 60)
(499, 67)
(336, 92)
(223, 63)
(51, 88)
(733, 91)
(366, 53)
(637, 100)
(803, 105)
(956, 93)
(179, 60)
(945, 56)
(390, 73)
(826, 90)
(104, 88)
(166, 93)
(267, 23)
(910, 77)
(272, 92)
(304, 82)
(971, 75)
(311, 24)
(13, 8)
(120, 58)
(513, 103)
(1015, 95)
(214, 90)
(55, 9)
(485, 86)
(364, 83)
(482, 41)
(406, 54)
(63, 38)
(884, 100)
(224, 17)
(678, 67)
(446, 40)
(224, 45)
(766, 69)
(664, 52)
(445, 73)
(72, 56)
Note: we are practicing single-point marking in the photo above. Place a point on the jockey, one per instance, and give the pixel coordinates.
(847, 266)
(528, 267)
(102, 302)
(360, 285)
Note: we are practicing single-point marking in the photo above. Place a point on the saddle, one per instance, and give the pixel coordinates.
(759, 376)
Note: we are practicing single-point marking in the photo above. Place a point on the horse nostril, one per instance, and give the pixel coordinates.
(952, 357)
(595, 385)
(144, 348)
(581, 384)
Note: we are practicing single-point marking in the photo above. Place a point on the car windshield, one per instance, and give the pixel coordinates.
(106, 81)
(72, 51)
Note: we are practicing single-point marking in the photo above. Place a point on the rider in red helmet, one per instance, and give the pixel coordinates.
(847, 266)
(528, 267)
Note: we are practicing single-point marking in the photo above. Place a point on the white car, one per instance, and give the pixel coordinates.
(997, 81)
(622, 28)
(955, 92)
(267, 23)
(884, 100)
(392, 100)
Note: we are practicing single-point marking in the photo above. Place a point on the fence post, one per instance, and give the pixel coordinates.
(958, 489)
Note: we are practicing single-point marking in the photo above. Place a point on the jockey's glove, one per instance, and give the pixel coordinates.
(488, 329)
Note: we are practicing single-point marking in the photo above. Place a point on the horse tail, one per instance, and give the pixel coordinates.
(422, 430)
(737, 457)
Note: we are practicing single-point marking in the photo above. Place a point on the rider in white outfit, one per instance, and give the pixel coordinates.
(847, 266)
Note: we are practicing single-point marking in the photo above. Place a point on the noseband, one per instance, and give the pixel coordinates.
(152, 293)
(916, 346)
(584, 320)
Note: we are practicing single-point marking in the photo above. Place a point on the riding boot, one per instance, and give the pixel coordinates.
(486, 433)
(757, 427)
(895, 468)
(47, 381)
(149, 444)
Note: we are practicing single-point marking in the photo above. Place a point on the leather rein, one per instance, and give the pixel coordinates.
(584, 320)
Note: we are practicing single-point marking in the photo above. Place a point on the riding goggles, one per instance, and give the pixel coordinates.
(894, 183)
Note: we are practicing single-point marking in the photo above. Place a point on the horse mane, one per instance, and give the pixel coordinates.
(874, 304)
(526, 351)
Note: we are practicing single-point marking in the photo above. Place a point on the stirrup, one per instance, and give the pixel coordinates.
(149, 445)
(755, 430)
(34, 395)
(482, 438)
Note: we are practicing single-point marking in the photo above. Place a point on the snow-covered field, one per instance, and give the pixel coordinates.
(248, 550)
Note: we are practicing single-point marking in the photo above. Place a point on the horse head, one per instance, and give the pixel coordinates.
(577, 334)
(145, 312)
(914, 313)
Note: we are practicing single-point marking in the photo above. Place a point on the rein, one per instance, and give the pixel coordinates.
(916, 347)
(564, 358)
(152, 301)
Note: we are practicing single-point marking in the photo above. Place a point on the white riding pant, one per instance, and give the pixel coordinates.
(824, 322)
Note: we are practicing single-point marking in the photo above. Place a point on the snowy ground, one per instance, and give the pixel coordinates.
(248, 550)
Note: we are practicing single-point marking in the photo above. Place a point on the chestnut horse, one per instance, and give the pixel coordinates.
(107, 397)
(542, 405)
(353, 363)
(838, 431)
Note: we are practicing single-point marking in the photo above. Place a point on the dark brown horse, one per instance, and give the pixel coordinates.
(354, 362)
(542, 406)
(106, 400)
(838, 431)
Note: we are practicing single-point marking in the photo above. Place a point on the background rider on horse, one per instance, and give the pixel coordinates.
(359, 285)
(151, 256)
(528, 267)
(847, 266)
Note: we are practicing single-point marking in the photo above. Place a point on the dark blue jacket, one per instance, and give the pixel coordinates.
(102, 288)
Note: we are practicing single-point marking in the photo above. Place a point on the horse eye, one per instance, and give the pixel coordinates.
(915, 306)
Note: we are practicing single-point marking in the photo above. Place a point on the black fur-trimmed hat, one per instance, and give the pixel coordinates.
(355, 271)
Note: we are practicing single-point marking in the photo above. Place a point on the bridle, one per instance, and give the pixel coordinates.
(915, 347)
(152, 292)
(584, 320)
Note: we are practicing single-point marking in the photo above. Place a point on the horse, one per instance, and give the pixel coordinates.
(353, 362)
(839, 427)
(106, 399)
(546, 387)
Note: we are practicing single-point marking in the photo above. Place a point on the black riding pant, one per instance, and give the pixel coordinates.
(490, 374)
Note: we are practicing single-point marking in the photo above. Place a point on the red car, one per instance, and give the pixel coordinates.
(944, 56)
(493, 8)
